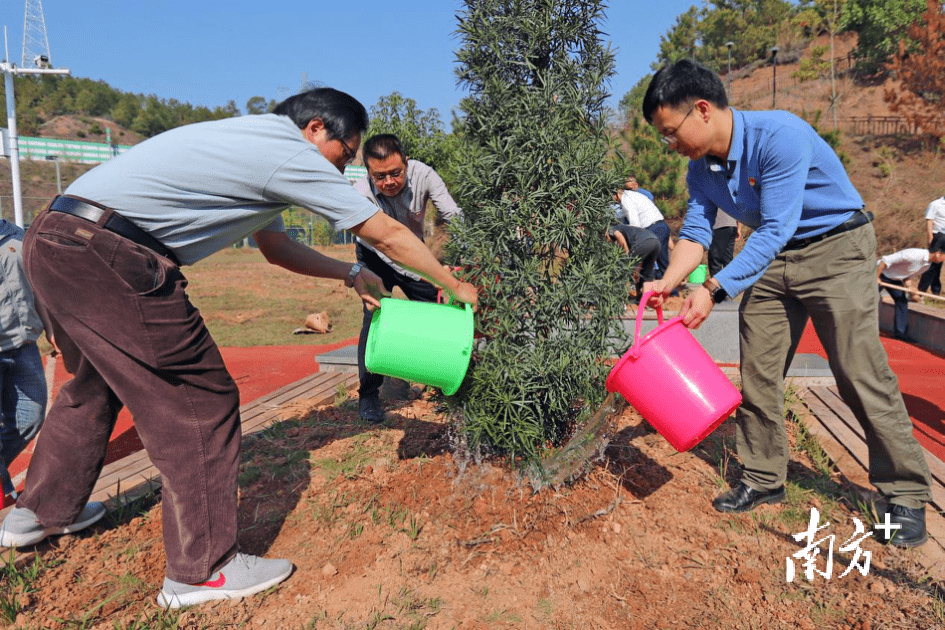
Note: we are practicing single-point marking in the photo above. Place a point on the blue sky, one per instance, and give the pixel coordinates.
(207, 52)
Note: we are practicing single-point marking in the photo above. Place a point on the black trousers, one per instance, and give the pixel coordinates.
(722, 249)
(931, 280)
(901, 304)
(419, 290)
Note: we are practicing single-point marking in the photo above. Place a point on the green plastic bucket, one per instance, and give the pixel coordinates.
(422, 342)
(698, 275)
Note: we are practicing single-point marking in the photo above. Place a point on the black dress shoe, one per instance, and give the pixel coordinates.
(911, 532)
(907, 339)
(370, 410)
(741, 498)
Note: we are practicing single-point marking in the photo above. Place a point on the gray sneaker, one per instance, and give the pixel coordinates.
(242, 576)
(21, 527)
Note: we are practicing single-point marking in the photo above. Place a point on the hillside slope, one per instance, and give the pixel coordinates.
(896, 175)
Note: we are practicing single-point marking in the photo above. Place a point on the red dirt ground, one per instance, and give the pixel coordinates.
(388, 529)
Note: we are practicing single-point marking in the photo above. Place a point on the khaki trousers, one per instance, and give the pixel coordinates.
(833, 282)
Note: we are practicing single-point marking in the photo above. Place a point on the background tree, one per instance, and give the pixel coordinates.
(880, 26)
(823, 15)
(258, 105)
(421, 132)
(535, 194)
(921, 95)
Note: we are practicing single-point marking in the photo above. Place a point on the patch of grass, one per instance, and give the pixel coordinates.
(352, 462)
(249, 302)
(341, 394)
(504, 616)
(413, 527)
(17, 581)
(158, 620)
(124, 509)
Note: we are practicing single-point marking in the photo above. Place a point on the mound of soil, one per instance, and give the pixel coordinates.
(388, 529)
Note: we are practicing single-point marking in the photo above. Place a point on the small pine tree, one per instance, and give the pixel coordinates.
(536, 199)
(921, 72)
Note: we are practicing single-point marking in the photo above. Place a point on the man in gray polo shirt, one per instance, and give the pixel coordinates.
(105, 262)
(401, 188)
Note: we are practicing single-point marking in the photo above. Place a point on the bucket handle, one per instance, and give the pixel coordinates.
(635, 349)
(449, 300)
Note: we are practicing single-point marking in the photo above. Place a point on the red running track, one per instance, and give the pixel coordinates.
(257, 371)
(920, 373)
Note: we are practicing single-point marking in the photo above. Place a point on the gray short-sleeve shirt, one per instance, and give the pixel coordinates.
(202, 187)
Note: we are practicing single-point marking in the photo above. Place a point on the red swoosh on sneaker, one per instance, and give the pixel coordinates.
(217, 583)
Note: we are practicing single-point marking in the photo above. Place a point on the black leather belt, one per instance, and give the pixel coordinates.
(91, 211)
(858, 219)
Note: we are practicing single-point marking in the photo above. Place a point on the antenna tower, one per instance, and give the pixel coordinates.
(35, 40)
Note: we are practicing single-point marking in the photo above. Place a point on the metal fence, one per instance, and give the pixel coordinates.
(877, 126)
(68, 150)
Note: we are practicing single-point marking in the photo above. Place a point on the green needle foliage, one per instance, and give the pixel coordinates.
(535, 192)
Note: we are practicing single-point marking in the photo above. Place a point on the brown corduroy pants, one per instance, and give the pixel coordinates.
(131, 337)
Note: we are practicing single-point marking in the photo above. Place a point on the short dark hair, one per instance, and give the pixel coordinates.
(681, 82)
(342, 114)
(380, 146)
(937, 244)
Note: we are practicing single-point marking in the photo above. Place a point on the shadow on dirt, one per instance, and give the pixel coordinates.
(640, 475)
(276, 465)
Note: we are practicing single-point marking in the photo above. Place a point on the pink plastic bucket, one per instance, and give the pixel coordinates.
(673, 382)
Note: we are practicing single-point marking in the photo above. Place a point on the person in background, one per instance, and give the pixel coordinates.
(725, 233)
(896, 268)
(22, 383)
(638, 210)
(934, 226)
(105, 261)
(401, 188)
(641, 245)
(811, 256)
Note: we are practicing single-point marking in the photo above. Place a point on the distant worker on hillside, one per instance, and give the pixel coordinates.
(105, 261)
(638, 210)
(641, 245)
(726, 231)
(812, 256)
(897, 268)
(934, 225)
(401, 187)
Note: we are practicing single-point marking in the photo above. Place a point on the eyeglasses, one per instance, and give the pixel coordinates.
(349, 154)
(380, 177)
(670, 137)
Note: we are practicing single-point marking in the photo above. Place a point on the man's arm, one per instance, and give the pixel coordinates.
(929, 226)
(397, 242)
(282, 251)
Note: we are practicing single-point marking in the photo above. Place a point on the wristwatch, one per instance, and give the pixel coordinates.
(715, 290)
(355, 270)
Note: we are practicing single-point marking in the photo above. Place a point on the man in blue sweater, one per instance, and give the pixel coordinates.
(812, 255)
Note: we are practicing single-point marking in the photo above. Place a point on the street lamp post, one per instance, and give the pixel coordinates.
(774, 74)
(9, 70)
(729, 74)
